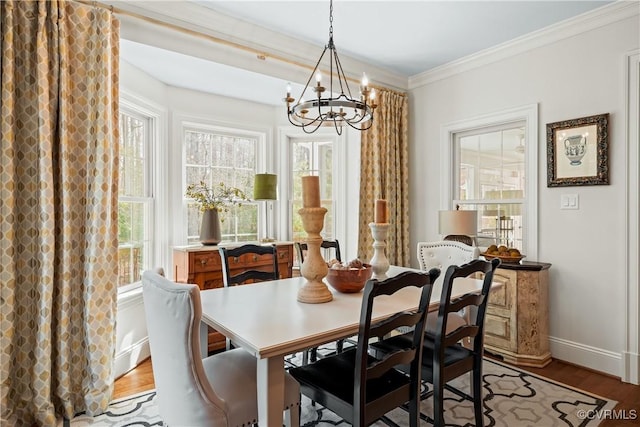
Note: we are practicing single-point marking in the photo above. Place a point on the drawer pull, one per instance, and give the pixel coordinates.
(235, 259)
(281, 254)
(203, 261)
(255, 258)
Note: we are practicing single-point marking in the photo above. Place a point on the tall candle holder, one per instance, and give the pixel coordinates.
(379, 262)
(314, 267)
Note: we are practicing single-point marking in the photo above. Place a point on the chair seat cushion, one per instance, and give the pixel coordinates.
(232, 374)
(335, 375)
(452, 354)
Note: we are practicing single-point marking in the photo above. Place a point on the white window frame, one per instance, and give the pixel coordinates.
(339, 160)
(527, 114)
(189, 122)
(155, 117)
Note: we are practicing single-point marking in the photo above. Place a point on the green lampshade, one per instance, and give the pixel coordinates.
(265, 186)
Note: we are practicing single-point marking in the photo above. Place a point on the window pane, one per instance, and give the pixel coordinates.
(132, 156)
(135, 202)
(215, 157)
(491, 180)
(315, 158)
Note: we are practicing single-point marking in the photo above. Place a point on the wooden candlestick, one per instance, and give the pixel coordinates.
(381, 214)
(310, 191)
(379, 262)
(314, 267)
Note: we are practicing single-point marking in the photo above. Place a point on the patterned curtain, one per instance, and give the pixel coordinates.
(58, 187)
(384, 174)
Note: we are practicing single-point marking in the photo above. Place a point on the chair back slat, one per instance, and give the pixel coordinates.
(269, 272)
(465, 301)
(398, 320)
(401, 357)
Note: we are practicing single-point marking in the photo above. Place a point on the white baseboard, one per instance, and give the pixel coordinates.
(630, 367)
(584, 355)
(130, 357)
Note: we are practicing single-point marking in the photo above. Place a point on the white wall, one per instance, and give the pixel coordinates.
(580, 75)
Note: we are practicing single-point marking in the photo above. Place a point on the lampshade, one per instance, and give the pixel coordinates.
(265, 186)
(458, 222)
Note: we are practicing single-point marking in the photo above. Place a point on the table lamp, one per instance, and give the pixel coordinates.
(265, 188)
(458, 225)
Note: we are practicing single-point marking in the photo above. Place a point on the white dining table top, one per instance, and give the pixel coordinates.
(267, 320)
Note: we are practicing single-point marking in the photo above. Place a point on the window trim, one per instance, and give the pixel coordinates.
(184, 122)
(156, 116)
(527, 114)
(339, 142)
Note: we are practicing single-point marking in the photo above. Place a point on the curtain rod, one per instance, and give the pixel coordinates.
(260, 55)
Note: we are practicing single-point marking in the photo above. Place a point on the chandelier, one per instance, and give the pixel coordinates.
(332, 110)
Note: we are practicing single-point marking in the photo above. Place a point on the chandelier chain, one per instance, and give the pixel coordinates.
(331, 20)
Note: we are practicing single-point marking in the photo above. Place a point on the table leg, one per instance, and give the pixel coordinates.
(270, 376)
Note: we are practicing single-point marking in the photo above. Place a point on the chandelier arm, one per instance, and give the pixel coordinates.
(306, 86)
(338, 128)
(341, 76)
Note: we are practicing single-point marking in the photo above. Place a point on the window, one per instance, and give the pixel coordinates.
(312, 158)
(215, 155)
(491, 165)
(135, 198)
(490, 178)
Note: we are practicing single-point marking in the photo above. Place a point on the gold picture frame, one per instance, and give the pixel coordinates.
(578, 152)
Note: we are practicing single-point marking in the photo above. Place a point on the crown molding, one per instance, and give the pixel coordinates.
(585, 22)
(229, 34)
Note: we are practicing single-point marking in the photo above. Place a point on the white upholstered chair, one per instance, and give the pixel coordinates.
(219, 390)
(442, 254)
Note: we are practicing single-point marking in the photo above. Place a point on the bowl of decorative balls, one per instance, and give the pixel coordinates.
(508, 255)
(348, 277)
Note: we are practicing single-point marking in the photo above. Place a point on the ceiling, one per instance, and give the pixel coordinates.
(405, 37)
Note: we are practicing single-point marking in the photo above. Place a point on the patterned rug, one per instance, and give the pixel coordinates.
(513, 398)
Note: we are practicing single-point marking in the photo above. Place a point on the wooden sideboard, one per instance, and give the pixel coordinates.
(517, 319)
(201, 265)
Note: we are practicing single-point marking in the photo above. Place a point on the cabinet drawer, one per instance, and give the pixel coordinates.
(206, 261)
(284, 253)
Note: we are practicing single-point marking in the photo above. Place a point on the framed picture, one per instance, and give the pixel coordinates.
(578, 152)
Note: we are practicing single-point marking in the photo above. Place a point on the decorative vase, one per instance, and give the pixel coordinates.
(210, 228)
(575, 147)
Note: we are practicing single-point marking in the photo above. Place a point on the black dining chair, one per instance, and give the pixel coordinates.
(301, 249)
(444, 356)
(229, 256)
(359, 387)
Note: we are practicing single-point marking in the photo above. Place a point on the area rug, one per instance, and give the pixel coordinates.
(513, 398)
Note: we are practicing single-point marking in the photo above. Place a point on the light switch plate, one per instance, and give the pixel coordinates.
(569, 201)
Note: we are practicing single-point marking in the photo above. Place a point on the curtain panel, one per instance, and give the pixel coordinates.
(58, 184)
(384, 174)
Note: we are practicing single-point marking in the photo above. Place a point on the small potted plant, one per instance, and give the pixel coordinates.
(212, 201)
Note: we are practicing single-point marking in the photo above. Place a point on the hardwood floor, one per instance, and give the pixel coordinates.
(627, 395)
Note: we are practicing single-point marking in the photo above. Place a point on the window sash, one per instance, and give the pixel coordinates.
(135, 250)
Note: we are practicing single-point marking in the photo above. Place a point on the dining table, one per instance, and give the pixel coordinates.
(268, 321)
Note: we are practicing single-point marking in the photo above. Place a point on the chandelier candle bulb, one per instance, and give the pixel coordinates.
(381, 215)
(311, 191)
